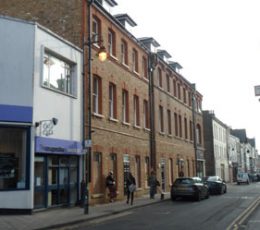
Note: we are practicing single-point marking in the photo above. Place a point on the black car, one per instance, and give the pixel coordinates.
(189, 187)
(216, 185)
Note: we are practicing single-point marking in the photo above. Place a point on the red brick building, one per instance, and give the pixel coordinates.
(121, 118)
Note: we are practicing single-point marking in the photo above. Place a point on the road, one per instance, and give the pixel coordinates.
(216, 213)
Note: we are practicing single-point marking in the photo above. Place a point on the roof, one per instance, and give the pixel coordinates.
(163, 53)
(149, 40)
(125, 18)
(240, 133)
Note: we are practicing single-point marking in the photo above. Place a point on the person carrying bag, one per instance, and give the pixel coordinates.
(131, 187)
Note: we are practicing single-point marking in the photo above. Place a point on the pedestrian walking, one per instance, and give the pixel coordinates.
(153, 183)
(111, 185)
(130, 187)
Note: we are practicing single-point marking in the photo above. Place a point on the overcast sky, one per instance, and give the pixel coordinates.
(217, 42)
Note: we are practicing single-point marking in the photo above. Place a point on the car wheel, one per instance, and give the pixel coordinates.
(198, 196)
(225, 191)
(221, 190)
(173, 198)
(207, 195)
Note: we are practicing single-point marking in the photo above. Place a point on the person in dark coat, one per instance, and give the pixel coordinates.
(153, 183)
(130, 187)
(111, 185)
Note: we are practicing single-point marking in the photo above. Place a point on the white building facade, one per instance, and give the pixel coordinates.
(40, 117)
(220, 149)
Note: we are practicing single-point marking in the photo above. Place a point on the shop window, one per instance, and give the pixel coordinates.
(59, 74)
(13, 158)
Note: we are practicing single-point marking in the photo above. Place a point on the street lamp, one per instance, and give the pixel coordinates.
(194, 126)
(152, 63)
(87, 143)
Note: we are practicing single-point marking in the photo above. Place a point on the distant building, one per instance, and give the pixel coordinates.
(216, 142)
(248, 152)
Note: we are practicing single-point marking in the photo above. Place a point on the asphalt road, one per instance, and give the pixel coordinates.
(216, 213)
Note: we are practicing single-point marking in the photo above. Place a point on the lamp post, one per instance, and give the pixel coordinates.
(152, 63)
(87, 143)
(194, 127)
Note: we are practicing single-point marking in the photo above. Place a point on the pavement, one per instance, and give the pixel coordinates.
(59, 217)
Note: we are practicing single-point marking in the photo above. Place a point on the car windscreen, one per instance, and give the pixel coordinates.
(212, 178)
(184, 181)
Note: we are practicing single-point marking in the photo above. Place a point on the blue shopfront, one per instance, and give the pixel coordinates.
(56, 172)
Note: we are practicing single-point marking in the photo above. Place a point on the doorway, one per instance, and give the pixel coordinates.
(56, 181)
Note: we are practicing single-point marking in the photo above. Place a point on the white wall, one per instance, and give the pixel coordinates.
(48, 103)
(16, 62)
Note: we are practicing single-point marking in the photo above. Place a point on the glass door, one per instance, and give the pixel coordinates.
(39, 182)
(53, 182)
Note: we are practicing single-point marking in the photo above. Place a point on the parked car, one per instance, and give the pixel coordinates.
(216, 184)
(243, 177)
(192, 187)
(253, 177)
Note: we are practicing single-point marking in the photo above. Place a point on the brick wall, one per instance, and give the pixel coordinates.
(61, 16)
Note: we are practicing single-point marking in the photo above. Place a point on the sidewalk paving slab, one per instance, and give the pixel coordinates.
(59, 217)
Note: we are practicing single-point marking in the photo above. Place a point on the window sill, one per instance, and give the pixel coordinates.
(112, 119)
(136, 73)
(113, 57)
(98, 115)
(125, 65)
(145, 78)
(147, 129)
(137, 126)
(126, 123)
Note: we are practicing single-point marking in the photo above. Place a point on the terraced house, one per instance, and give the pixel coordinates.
(142, 109)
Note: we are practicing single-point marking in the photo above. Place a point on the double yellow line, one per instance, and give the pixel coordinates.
(244, 215)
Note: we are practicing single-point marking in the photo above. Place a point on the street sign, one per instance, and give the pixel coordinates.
(88, 143)
(257, 90)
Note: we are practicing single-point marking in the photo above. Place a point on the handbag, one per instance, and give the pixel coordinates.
(131, 188)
